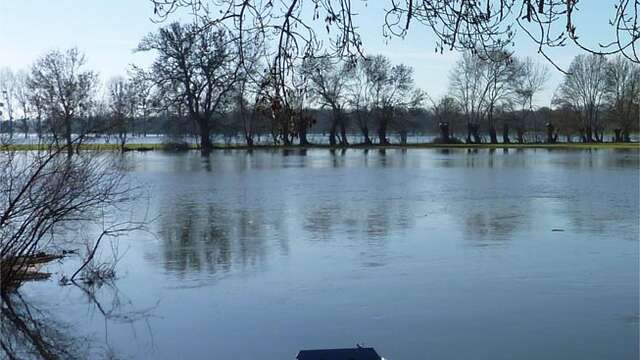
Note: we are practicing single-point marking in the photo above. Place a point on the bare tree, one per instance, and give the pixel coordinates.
(483, 87)
(499, 77)
(36, 102)
(529, 82)
(122, 102)
(359, 98)
(329, 79)
(198, 67)
(272, 105)
(623, 83)
(467, 86)
(22, 96)
(391, 89)
(446, 112)
(45, 192)
(65, 89)
(143, 90)
(585, 90)
(8, 97)
(299, 98)
(243, 110)
(247, 87)
(566, 119)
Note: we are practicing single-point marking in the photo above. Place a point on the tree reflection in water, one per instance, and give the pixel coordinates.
(211, 239)
(28, 331)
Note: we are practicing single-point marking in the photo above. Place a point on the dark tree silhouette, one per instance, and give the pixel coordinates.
(66, 90)
(529, 82)
(623, 85)
(198, 67)
(585, 90)
(329, 79)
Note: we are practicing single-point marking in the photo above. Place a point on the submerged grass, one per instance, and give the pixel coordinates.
(171, 147)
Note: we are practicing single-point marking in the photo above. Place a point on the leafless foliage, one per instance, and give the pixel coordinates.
(329, 82)
(585, 91)
(64, 88)
(42, 193)
(531, 80)
(623, 87)
(483, 88)
(123, 100)
(487, 26)
(480, 26)
(194, 68)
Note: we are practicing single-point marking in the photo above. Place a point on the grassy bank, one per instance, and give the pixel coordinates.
(165, 147)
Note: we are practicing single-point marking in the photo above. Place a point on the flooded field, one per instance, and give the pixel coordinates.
(433, 254)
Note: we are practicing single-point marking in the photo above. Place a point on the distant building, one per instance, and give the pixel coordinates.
(359, 353)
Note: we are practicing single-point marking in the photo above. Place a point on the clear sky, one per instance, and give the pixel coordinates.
(108, 30)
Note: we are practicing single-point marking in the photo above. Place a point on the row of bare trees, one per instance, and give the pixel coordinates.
(484, 29)
(598, 95)
(202, 79)
(485, 92)
(601, 94)
(208, 79)
(197, 85)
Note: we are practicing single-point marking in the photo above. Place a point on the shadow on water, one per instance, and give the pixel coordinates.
(29, 330)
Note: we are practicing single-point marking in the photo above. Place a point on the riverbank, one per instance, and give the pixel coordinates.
(182, 147)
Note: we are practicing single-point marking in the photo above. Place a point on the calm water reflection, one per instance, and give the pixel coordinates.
(446, 253)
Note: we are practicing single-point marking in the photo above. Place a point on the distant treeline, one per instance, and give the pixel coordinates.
(199, 86)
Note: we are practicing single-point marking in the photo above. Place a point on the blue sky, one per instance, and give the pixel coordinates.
(108, 31)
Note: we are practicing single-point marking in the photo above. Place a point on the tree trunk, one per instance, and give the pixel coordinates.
(123, 142)
(618, 135)
(599, 134)
(332, 132)
(493, 134)
(583, 135)
(382, 136)
(286, 138)
(588, 134)
(304, 122)
(505, 134)
(39, 127)
(382, 131)
(403, 137)
(473, 134)
(303, 137)
(444, 132)
(520, 135)
(551, 136)
(365, 133)
(67, 135)
(205, 136)
(343, 133)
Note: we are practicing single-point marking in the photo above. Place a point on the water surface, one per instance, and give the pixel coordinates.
(432, 254)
